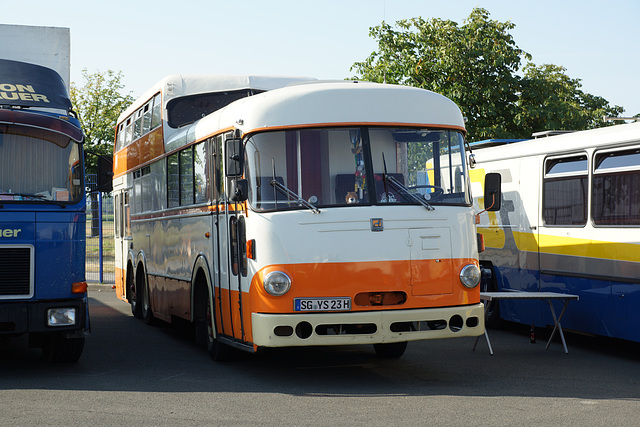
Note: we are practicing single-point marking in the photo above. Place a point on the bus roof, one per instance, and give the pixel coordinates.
(335, 103)
(177, 85)
(559, 144)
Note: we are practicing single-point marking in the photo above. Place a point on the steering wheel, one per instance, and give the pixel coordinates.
(435, 194)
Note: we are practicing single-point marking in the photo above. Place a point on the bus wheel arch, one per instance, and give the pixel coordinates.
(393, 350)
(204, 313)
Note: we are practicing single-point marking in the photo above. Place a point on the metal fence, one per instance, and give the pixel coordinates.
(100, 257)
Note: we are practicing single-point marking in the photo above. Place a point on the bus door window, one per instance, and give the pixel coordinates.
(238, 245)
(118, 215)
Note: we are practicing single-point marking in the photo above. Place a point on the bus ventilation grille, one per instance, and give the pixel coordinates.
(15, 271)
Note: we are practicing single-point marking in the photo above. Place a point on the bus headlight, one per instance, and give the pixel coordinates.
(61, 316)
(470, 276)
(277, 283)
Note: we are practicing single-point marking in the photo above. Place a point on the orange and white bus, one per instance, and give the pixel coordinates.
(317, 213)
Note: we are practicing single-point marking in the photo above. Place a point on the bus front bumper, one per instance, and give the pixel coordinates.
(40, 316)
(366, 327)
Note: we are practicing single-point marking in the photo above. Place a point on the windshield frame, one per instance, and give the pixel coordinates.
(67, 185)
(372, 179)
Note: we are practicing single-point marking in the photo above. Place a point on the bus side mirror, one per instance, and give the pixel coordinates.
(235, 157)
(492, 191)
(238, 190)
(104, 179)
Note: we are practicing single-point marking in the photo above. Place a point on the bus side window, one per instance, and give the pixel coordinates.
(156, 114)
(146, 119)
(564, 191)
(218, 189)
(615, 188)
(127, 215)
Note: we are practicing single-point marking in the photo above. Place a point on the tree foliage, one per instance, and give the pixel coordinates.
(98, 103)
(477, 66)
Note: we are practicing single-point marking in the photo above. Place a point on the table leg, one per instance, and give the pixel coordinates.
(557, 325)
(486, 335)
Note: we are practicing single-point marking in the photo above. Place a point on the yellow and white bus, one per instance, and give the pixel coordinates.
(569, 222)
(317, 213)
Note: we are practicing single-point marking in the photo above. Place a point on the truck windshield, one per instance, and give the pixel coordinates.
(360, 165)
(38, 165)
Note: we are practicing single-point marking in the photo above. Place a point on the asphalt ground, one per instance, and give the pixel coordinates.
(134, 374)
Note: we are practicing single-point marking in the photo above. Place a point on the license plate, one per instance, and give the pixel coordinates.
(322, 304)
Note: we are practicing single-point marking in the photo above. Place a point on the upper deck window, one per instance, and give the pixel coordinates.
(188, 109)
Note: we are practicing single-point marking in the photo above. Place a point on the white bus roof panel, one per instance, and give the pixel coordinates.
(177, 85)
(340, 103)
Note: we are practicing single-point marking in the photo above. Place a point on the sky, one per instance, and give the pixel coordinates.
(596, 41)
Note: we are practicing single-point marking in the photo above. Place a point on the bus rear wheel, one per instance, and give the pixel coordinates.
(133, 295)
(392, 350)
(145, 302)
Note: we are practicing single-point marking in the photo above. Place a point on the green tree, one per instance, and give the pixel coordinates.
(550, 99)
(98, 103)
(476, 65)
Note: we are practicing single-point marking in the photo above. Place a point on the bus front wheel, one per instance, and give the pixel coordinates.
(392, 350)
(59, 348)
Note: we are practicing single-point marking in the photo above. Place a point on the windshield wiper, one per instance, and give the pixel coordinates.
(290, 194)
(400, 186)
(38, 197)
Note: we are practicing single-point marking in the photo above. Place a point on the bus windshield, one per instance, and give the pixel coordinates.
(360, 165)
(38, 165)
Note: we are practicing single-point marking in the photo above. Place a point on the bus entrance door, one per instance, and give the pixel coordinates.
(233, 274)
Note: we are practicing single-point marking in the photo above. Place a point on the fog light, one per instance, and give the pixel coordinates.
(61, 316)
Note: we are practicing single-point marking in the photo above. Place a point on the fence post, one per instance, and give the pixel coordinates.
(100, 255)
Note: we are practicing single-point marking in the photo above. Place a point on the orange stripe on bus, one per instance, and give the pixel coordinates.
(354, 124)
(141, 151)
(327, 280)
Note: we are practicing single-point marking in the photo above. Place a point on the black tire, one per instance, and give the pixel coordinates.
(145, 302)
(133, 295)
(392, 350)
(58, 348)
(218, 351)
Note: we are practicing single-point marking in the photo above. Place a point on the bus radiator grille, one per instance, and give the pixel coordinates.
(15, 271)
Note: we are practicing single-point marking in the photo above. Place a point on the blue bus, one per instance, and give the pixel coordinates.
(43, 291)
(569, 222)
